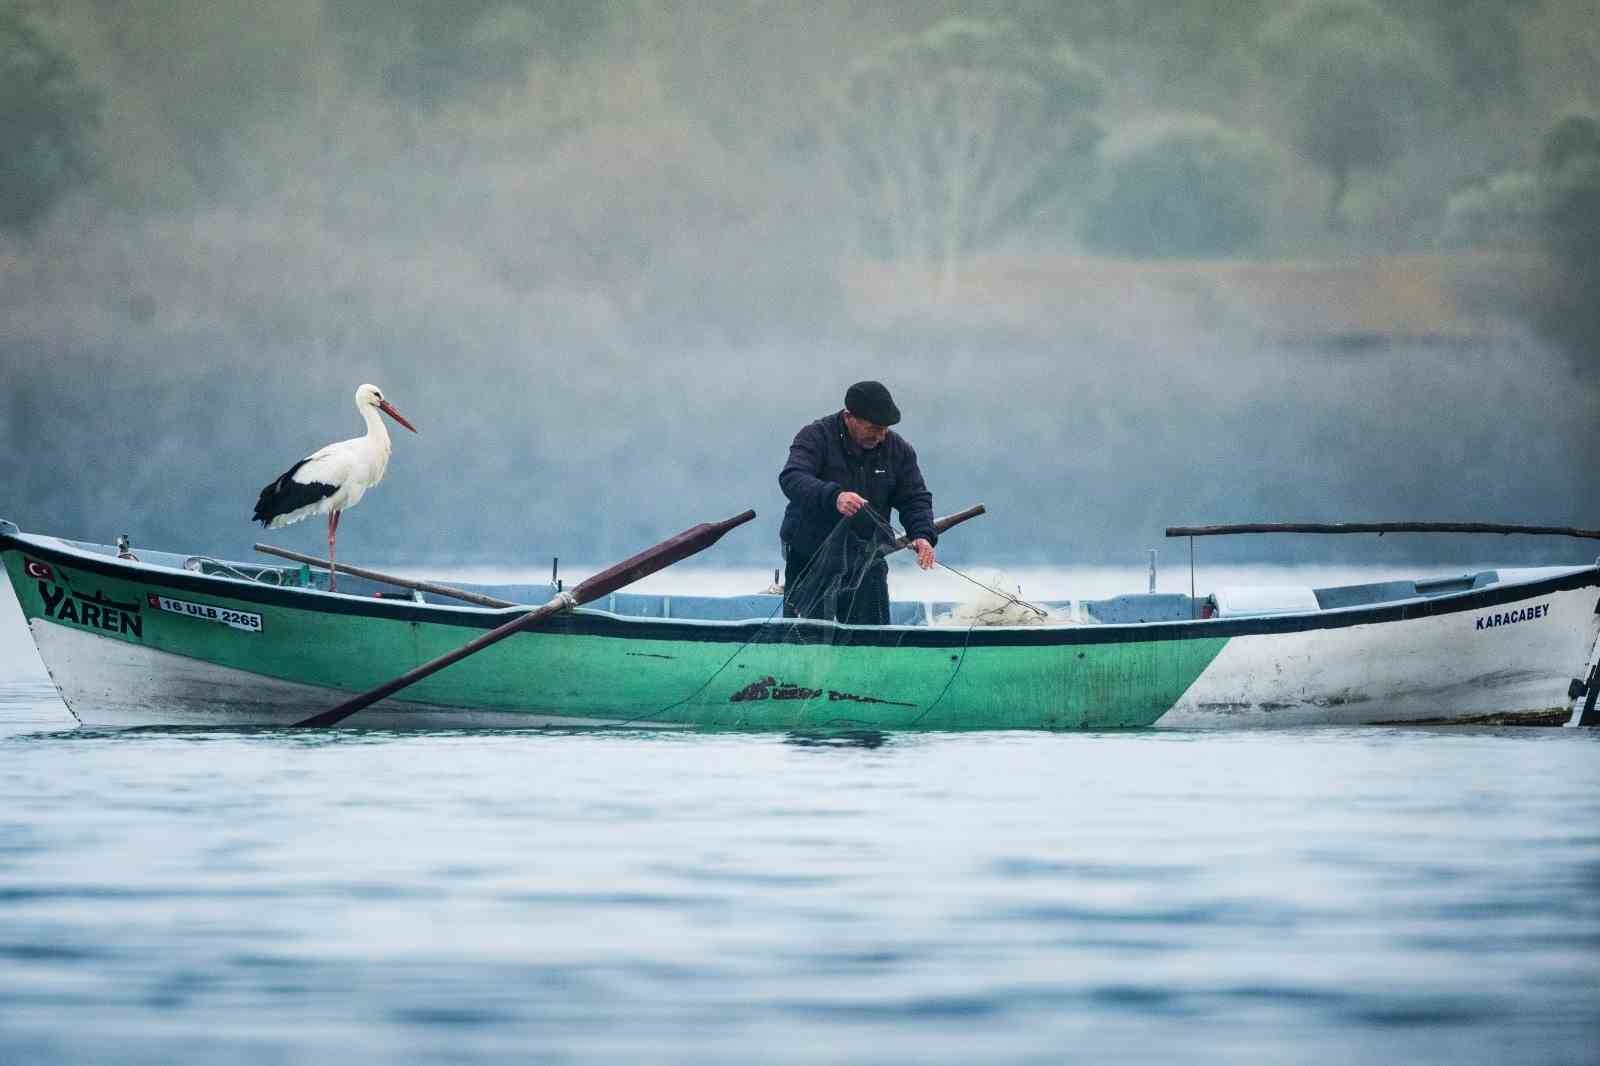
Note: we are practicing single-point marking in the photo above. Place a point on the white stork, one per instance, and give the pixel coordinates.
(333, 478)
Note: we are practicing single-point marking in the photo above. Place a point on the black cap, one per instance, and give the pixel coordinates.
(871, 400)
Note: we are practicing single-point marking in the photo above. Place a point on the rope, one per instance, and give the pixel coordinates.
(759, 630)
(967, 577)
(259, 578)
(965, 644)
(1019, 601)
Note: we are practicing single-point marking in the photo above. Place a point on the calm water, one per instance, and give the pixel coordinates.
(1317, 896)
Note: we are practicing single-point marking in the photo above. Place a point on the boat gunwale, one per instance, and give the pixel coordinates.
(599, 623)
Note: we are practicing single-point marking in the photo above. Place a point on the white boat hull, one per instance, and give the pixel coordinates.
(1443, 667)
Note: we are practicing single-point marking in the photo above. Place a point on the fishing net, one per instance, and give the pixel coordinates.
(844, 580)
(841, 676)
(989, 605)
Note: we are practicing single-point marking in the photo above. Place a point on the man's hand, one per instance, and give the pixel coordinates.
(924, 553)
(849, 503)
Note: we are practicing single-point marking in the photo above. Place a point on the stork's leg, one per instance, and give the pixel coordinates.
(333, 535)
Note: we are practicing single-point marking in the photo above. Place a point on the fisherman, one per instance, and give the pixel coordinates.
(850, 468)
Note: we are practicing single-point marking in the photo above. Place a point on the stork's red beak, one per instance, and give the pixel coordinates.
(387, 408)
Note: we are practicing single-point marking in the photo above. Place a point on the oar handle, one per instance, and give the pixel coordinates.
(691, 540)
(942, 524)
(1380, 528)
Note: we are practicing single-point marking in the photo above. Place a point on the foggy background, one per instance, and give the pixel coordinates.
(1125, 264)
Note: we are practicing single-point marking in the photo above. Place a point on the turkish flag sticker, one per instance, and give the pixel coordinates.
(34, 568)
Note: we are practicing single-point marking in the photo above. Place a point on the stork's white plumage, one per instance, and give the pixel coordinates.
(333, 478)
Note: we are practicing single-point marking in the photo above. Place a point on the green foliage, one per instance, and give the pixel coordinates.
(48, 117)
(1356, 84)
(1193, 25)
(191, 85)
(952, 138)
(429, 51)
(1572, 140)
(1501, 212)
(1479, 45)
(1569, 167)
(1185, 186)
(1553, 207)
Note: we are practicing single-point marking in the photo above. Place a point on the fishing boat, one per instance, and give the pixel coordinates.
(140, 638)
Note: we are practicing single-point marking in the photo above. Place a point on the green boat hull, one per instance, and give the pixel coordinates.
(756, 675)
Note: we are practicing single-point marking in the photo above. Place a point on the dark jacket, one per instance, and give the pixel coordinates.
(824, 461)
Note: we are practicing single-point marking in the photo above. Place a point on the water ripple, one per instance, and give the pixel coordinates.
(1311, 896)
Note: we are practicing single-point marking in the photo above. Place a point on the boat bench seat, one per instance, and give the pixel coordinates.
(1141, 607)
(1235, 602)
(706, 608)
(757, 607)
(1389, 591)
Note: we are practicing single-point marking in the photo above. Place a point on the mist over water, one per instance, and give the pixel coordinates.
(610, 257)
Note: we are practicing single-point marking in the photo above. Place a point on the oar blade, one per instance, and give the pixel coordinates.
(690, 541)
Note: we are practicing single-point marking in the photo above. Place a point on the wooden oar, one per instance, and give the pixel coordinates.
(1379, 528)
(374, 575)
(647, 562)
(940, 525)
